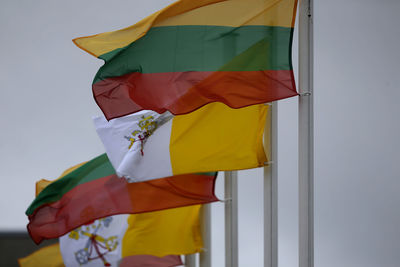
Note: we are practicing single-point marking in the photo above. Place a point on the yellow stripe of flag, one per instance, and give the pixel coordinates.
(49, 256)
(165, 232)
(217, 137)
(232, 13)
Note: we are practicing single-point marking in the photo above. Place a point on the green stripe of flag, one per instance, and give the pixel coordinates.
(202, 48)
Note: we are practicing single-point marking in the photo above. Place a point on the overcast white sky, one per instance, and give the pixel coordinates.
(46, 108)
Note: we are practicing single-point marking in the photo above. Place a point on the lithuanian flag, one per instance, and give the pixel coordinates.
(91, 190)
(194, 52)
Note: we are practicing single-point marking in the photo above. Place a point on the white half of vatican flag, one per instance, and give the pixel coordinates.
(96, 244)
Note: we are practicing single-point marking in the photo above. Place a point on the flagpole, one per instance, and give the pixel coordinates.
(190, 260)
(205, 255)
(306, 135)
(231, 219)
(271, 188)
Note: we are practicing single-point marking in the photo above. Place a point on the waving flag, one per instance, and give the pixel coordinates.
(146, 145)
(92, 190)
(195, 52)
(50, 256)
(106, 241)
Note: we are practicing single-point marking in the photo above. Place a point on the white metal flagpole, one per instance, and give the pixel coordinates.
(190, 260)
(231, 219)
(271, 188)
(205, 255)
(306, 135)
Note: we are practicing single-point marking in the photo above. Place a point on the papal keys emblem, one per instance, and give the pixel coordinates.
(147, 125)
(97, 246)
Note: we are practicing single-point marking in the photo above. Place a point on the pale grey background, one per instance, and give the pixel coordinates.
(46, 108)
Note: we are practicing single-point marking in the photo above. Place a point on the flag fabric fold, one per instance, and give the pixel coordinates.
(145, 145)
(192, 53)
(93, 191)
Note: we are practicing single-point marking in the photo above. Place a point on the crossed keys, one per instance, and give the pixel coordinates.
(96, 246)
(147, 127)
